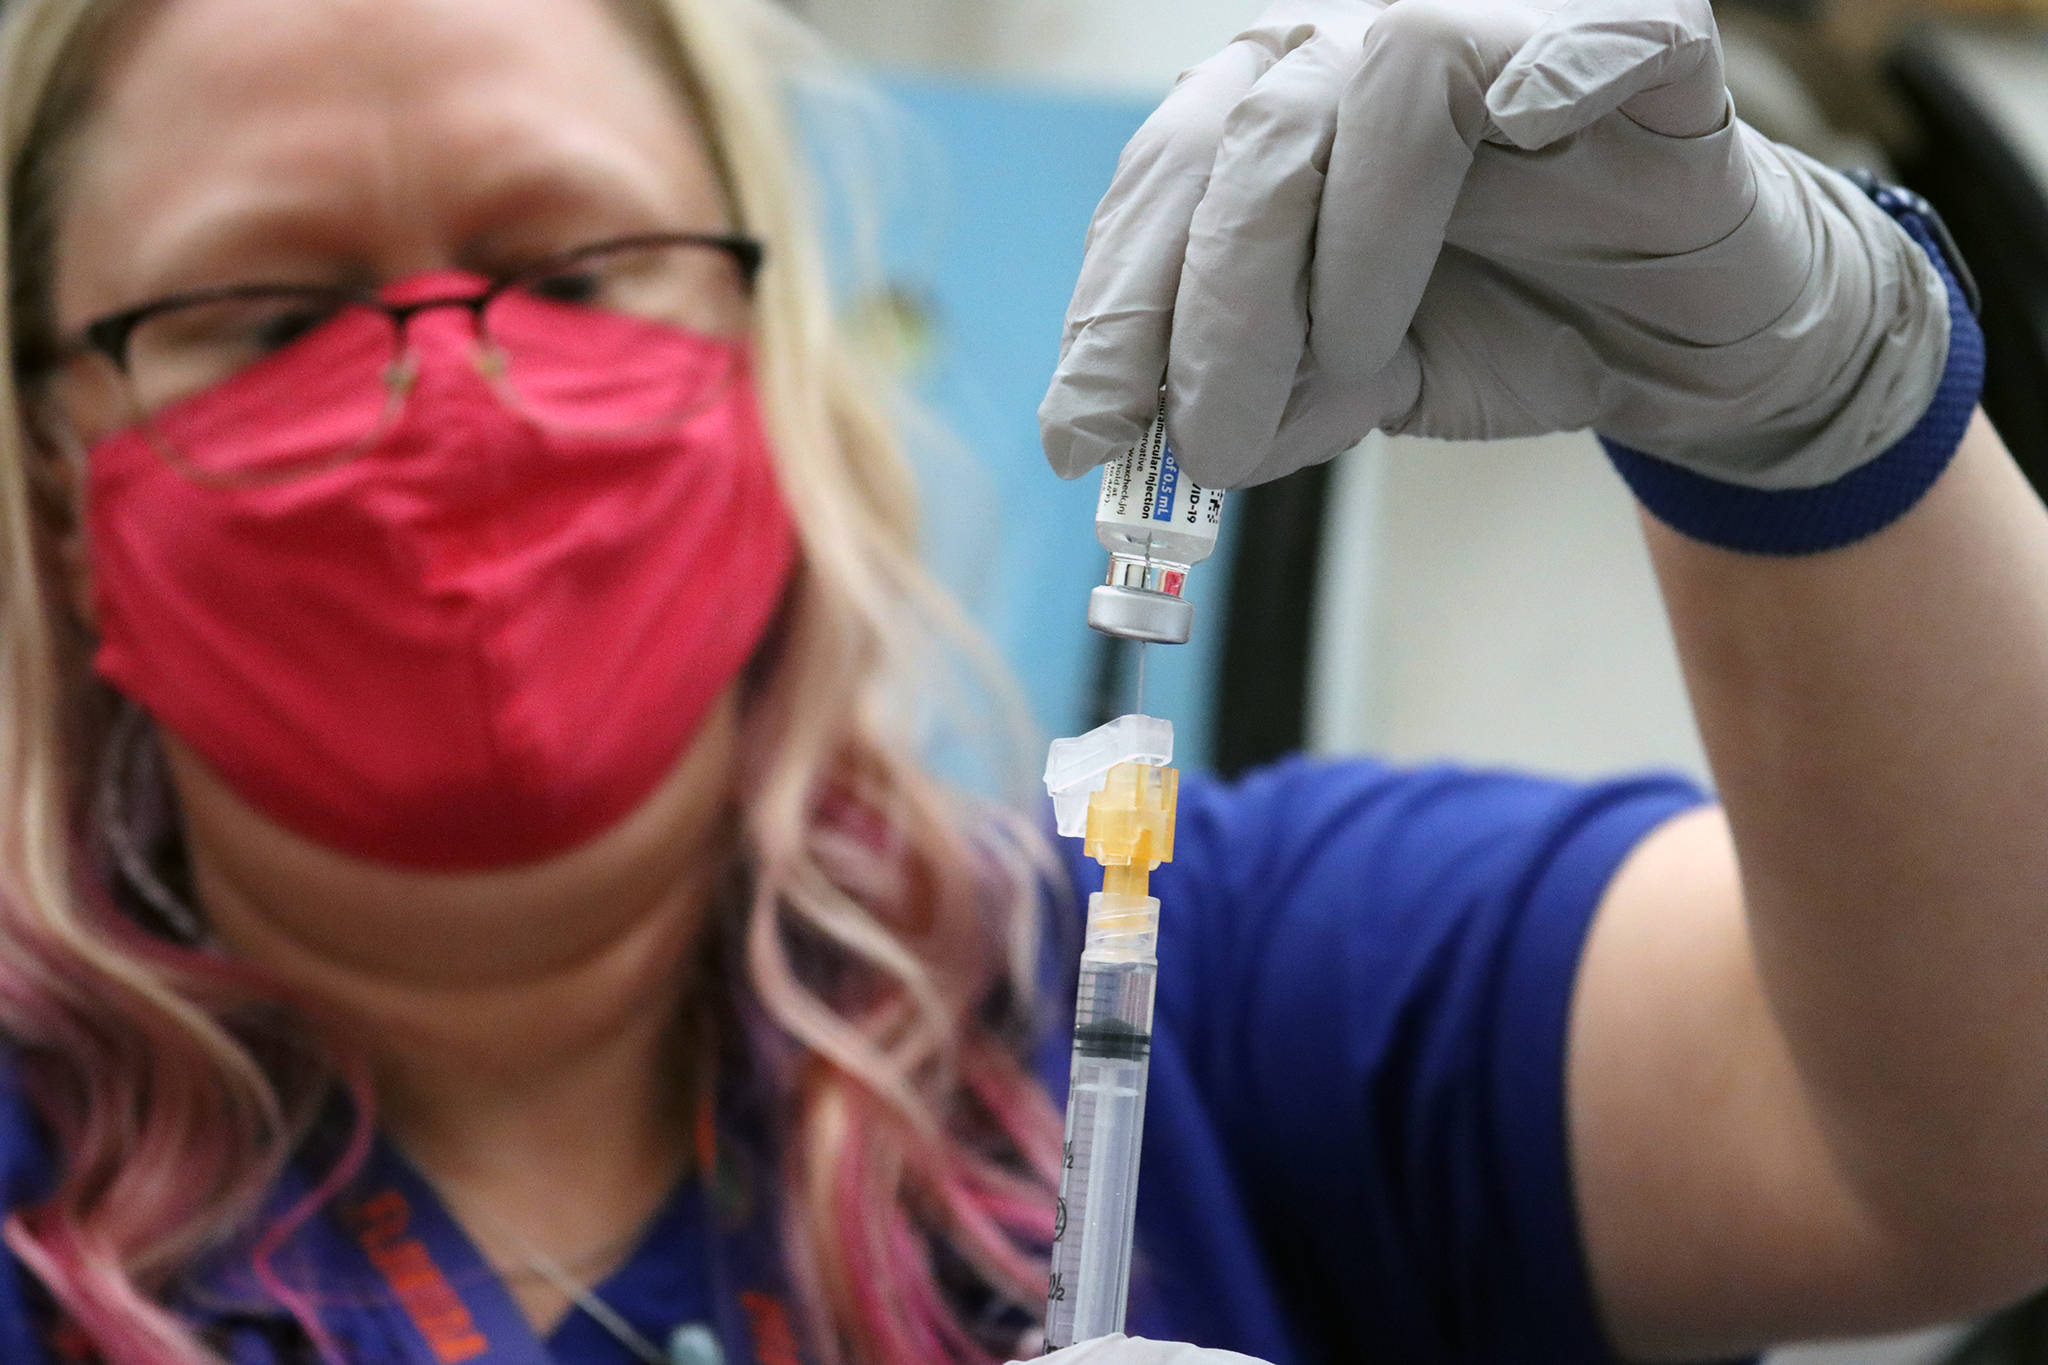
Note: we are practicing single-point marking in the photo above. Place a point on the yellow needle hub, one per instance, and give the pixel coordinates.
(1130, 826)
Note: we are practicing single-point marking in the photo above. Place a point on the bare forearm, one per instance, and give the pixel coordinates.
(1877, 719)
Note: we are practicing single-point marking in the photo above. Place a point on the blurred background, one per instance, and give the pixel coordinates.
(1489, 603)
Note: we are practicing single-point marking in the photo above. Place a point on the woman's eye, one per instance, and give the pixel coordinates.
(281, 329)
(568, 287)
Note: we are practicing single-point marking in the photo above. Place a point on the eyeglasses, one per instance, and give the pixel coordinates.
(170, 349)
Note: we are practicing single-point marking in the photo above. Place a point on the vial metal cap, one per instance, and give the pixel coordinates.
(1140, 614)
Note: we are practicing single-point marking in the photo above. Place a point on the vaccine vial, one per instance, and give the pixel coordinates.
(1156, 523)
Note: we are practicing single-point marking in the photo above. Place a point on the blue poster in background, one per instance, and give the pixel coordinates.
(985, 198)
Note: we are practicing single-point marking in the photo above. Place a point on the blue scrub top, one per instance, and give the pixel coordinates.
(1355, 1140)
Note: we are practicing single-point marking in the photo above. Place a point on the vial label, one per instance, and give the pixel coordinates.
(1147, 491)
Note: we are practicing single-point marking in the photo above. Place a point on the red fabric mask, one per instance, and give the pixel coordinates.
(477, 644)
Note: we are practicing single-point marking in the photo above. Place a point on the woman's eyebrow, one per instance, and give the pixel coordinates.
(620, 193)
(291, 233)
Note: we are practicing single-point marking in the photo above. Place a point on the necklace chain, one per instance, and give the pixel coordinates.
(521, 1268)
(546, 1267)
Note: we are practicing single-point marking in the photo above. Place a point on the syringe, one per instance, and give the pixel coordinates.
(1129, 830)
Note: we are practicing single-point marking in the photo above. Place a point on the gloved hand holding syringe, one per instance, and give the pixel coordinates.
(1113, 787)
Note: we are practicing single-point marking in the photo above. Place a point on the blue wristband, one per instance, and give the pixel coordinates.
(1804, 521)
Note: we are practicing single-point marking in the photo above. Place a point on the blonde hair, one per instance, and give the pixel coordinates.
(884, 945)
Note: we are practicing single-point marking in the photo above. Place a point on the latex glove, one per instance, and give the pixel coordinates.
(1479, 218)
(1122, 1350)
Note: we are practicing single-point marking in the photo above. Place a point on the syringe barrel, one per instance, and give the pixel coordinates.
(1096, 1217)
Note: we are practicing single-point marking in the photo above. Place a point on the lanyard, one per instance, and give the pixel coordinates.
(393, 1279)
(391, 1232)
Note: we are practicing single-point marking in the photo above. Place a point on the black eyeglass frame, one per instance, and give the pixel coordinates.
(110, 336)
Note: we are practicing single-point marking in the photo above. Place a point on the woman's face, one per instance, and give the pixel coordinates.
(359, 141)
(355, 142)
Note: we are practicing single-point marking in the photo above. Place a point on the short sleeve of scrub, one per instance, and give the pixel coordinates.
(25, 1178)
(1355, 1139)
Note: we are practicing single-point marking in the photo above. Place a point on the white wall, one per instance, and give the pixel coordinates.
(1121, 45)
(1509, 613)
